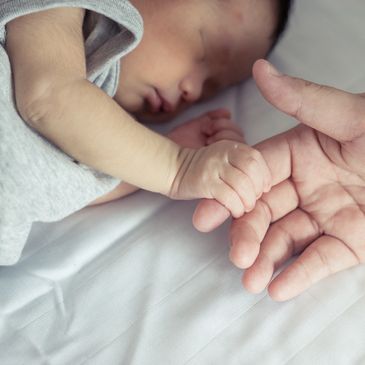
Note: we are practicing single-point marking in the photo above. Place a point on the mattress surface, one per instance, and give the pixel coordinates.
(132, 282)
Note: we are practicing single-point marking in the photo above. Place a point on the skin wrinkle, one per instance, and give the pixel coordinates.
(268, 212)
(323, 143)
(298, 113)
(287, 239)
(324, 261)
(291, 145)
(242, 205)
(315, 225)
(354, 254)
(316, 229)
(187, 160)
(329, 223)
(348, 157)
(246, 176)
(336, 171)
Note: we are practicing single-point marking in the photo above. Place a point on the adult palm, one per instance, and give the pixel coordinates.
(317, 206)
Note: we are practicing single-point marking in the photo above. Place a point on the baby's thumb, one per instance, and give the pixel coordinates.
(334, 112)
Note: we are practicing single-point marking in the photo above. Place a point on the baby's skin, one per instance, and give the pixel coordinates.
(213, 126)
(190, 61)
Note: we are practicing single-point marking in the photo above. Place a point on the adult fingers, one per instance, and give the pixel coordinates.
(277, 155)
(334, 112)
(276, 152)
(209, 215)
(285, 238)
(246, 234)
(325, 256)
(248, 231)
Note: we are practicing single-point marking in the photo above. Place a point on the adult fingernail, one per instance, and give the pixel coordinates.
(272, 70)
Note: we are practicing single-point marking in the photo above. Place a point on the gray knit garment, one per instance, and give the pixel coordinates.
(38, 181)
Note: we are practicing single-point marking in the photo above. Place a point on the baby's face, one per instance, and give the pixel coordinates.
(190, 51)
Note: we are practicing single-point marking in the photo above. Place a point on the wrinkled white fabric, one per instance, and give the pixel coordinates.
(132, 282)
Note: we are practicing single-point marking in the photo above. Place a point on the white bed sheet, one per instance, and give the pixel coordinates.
(132, 282)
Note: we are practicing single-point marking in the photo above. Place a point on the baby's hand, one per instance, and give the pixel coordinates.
(208, 128)
(232, 173)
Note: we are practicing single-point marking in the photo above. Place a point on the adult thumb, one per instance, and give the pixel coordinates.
(336, 113)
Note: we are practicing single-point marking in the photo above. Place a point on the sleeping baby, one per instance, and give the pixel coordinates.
(82, 80)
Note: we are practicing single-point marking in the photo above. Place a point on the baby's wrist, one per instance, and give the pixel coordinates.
(182, 163)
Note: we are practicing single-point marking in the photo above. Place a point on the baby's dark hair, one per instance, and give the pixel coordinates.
(283, 16)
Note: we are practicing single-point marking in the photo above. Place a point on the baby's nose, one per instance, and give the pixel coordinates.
(191, 88)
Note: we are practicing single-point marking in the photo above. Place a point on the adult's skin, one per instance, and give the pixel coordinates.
(317, 206)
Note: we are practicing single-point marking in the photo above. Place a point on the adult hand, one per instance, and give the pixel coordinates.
(317, 206)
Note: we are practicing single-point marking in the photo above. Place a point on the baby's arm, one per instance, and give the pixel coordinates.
(206, 129)
(46, 51)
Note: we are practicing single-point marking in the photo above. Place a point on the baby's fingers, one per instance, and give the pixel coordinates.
(219, 124)
(242, 185)
(227, 135)
(225, 124)
(219, 113)
(228, 197)
(254, 166)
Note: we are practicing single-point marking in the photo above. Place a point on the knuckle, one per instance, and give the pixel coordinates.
(242, 182)
(251, 165)
(255, 155)
(251, 203)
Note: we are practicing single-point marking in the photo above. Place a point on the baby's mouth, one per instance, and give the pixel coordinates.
(154, 101)
(157, 103)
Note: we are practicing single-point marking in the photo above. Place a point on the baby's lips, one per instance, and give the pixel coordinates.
(154, 101)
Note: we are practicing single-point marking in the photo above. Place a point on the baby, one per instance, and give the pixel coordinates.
(190, 50)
